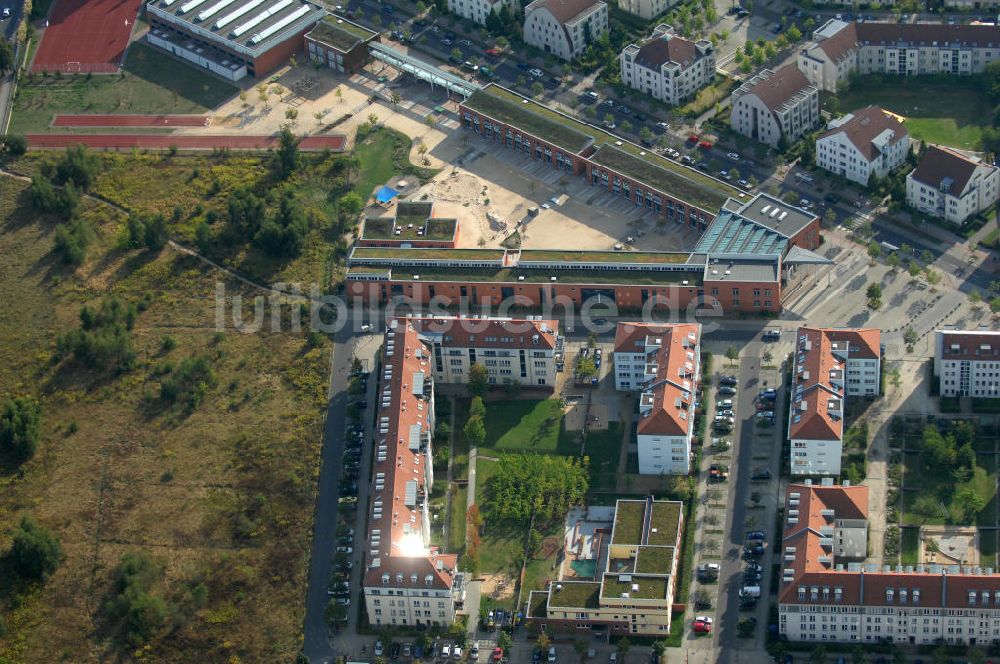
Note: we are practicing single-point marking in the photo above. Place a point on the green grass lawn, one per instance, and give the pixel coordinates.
(988, 548)
(524, 425)
(603, 448)
(910, 549)
(918, 481)
(948, 112)
(152, 83)
(375, 162)
(456, 532)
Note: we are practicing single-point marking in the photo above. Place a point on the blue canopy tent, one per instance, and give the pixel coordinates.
(385, 194)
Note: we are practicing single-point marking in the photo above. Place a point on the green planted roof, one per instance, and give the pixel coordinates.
(649, 587)
(628, 522)
(544, 123)
(428, 254)
(651, 257)
(340, 33)
(537, 276)
(664, 175)
(666, 521)
(654, 559)
(575, 595)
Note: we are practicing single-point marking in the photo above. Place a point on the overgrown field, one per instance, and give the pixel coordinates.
(199, 453)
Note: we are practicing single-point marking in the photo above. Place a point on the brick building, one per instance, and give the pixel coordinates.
(340, 44)
(232, 39)
(967, 362)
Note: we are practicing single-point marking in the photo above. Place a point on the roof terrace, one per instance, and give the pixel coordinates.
(410, 228)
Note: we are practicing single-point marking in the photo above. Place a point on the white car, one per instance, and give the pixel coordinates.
(446, 651)
(727, 413)
(379, 649)
(704, 619)
(457, 654)
(724, 404)
(536, 72)
(734, 156)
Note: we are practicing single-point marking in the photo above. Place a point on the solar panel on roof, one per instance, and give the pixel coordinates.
(261, 17)
(414, 437)
(236, 13)
(188, 6)
(283, 23)
(410, 497)
(217, 7)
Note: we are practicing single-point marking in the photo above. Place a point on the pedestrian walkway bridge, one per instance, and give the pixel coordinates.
(421, 69)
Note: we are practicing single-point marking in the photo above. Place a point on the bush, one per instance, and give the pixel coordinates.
(140, 614)
(189, 383)
(284, 233)
(78, 166)
(15, 144)
(45, 197)
(148, 231)
(20, 427)
(104, 340)
(35, 553)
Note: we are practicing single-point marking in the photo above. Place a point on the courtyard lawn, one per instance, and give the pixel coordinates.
(988, 548)
(456, 532)
(375, 162)
(603, 448)
(910, 549)
(938, 111)
(525, 425)
(152, 83)
(919, 482)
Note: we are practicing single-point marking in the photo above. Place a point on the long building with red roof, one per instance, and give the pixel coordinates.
(662, 361)
(829, 365)
(828, 595)
(967, 362)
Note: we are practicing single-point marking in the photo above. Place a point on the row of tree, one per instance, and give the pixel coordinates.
(530, 487)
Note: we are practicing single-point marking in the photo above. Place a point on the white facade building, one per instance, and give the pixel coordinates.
(647, 9)
(967, 362)
(524, 351)
(663, 362)
(478, 10)
(825, 599)
(775, 104)
(668, 67)
(868, 142)
(564, 28)
(830, 365)
(951, 185)
(840, 49)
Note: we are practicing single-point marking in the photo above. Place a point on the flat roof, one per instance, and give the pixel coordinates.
(383, 228)
(654, 559)
(666, 176)
(628, 521)
(428, 254)
(776, 214)
(536, 276)
(247, 26)
(665, 522)
(511, 108)
(575, 594)
(742, 269)
(637, 587)
(341, 34)
(556, 255)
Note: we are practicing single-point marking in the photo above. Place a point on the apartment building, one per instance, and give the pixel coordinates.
(830, 365)
(647, 9)
(408, 224)
(951, 185)
(827, 597)
(513, 350)
(632, 590)
(477, 11)
(773, 105)
(564, 28)
(668, 66)
(839, 49)
(407, 582)
(867, 143)
(967, 363)
(663, 362)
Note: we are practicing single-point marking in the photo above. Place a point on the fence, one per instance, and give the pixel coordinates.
(77, 68)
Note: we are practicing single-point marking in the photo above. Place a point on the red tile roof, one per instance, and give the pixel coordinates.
(407, 415)
(564, 11)
(865, 126)
(907, 35)
(661, 50)
(979, 345)
(783, 84)
(939, 163)
(810, 413)
(458, 332)
(675, 382)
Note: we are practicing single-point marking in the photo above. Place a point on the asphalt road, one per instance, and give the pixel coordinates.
(316, 644)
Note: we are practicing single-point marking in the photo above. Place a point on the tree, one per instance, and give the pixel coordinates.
(975, 299)
(913, 268)
(477, 408)
(456, 54)
(626, 126)
(732, 354)
(543, 641)
(623, 646)
(138, 612)
(537, 88)
(20, 427)
(580, 648)
(475, 430)
(504, 640)
(874, 293)
(933, 276)
(970, 502)
(874, 250)
(645, 134)
(586, 367)
(910, 338)
(926, 256)
(35, 552)
(818, 655)
(15, 144)
(262, 93)
(351, 203)
(478, 380)
(766, 357)
(528, 487)
(6, 55)
(287, 155)
(938, 452)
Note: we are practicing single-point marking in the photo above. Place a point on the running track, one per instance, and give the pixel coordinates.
(130, 120)
(185, 142)
(90, 33)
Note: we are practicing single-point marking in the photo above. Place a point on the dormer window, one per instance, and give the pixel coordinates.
(889, 594)
(972, 598)
(916, 596)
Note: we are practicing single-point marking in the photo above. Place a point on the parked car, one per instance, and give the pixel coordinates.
(708, 572)
(771, 335)
(702, 625)
(591, 95)
(446, 651)
(761, 476)
(536, 72)
(733, 155)
(379, 649)
(726, 391)
(728, 380)
(724, 404)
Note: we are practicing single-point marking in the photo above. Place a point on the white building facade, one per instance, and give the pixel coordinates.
(952, 186)
(478, 11)
(864, 144)
(564, 28)
(668, 67)
(775, 104)
(967, 363)
(647, 9)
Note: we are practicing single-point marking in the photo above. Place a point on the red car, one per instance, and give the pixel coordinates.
(497, 654)
(493, 52)
(702, 625)
(693, 138)
(705, 145)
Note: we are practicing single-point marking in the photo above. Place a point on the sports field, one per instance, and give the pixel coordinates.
(86, 36)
